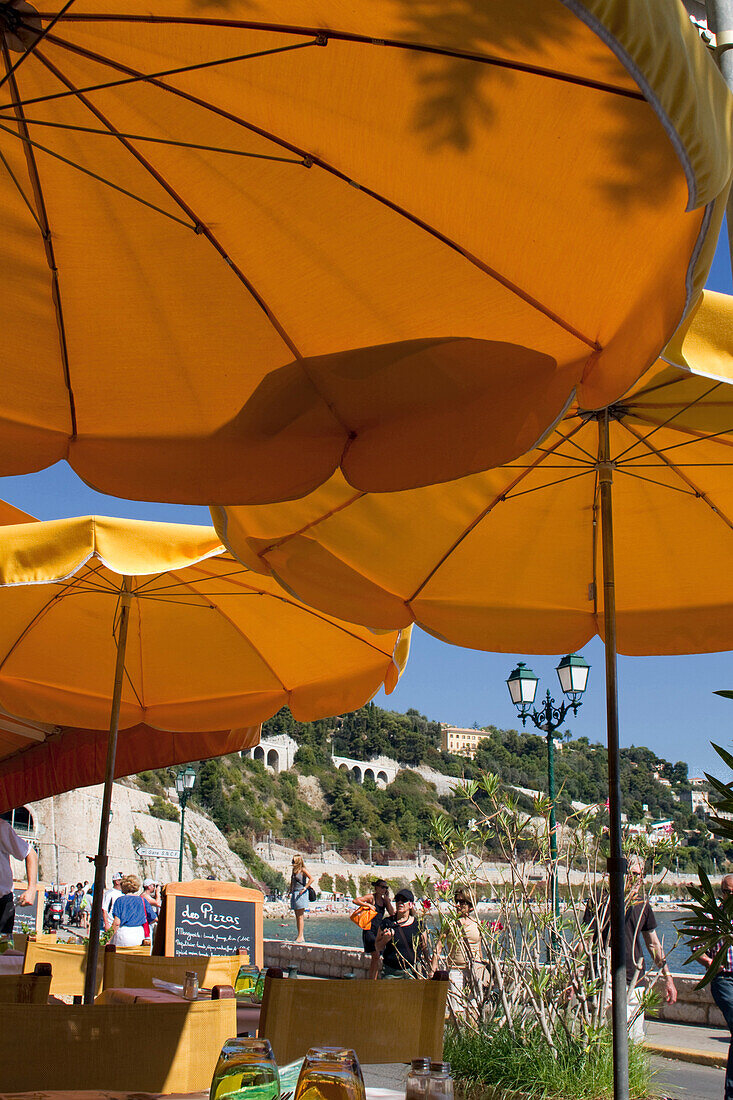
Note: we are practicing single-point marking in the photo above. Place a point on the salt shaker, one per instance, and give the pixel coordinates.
(416, 1085)
(191, 985)
(440, 1082)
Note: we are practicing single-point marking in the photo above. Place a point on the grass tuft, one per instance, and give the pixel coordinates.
(578, 1069)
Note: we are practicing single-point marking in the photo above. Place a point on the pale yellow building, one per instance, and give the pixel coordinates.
(461, 741)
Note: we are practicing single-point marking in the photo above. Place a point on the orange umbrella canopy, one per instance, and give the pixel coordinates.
(246, 246)
(212, 650)
(510, 560)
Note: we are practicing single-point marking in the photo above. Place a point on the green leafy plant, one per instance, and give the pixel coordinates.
(531, 1012)
(161, 808)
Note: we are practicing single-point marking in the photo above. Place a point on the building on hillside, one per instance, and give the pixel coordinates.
(660, 828)
(276, 753)
(698, 799)
(382, 769)
(461, 741)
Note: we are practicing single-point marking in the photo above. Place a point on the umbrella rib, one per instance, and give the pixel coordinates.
(40, 614)
(164, 72)
(548, 484)
(337, 624)
(238, 630)
(664, 423)
(315, 161)
(21, 192)
(313, 523)
(36, 39)
(198, 225)
(164, 587)
(42, 218)
(361, 39)
(156, 140)
(683, 477)
(697, 437)
(485, 512)
(28, 141)
(653, 481)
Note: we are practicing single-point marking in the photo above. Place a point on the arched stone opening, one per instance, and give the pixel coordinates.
(356, 772)
(273, 760)
(343, 767)
(382, 778)
(259, 753)
(369, 774)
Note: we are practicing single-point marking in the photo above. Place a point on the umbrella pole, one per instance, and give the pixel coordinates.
(100, 860)
(616, 863)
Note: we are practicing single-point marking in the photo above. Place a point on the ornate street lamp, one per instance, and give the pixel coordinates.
(185, 783)
(572, 672)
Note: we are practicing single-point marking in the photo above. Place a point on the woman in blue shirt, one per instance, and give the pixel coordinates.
(130, 913)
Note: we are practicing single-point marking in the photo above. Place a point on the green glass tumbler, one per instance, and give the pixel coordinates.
(246, 1070)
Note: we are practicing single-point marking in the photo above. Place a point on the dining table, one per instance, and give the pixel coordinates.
(248, 1015)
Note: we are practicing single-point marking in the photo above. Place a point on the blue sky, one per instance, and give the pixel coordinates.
(665, 702)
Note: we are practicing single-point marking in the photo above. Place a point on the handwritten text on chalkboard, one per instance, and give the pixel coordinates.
(213, 926)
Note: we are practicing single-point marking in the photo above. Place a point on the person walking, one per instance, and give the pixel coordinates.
(401, 943)
(721, 986)
(300, 881)
(640, 924)
(380, 900)
(130, 913)
(13, 845)
(109, 898)
(462, 940)
(151, 894)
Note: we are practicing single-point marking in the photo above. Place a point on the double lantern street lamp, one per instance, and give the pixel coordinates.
(185, 783)
(572, 673)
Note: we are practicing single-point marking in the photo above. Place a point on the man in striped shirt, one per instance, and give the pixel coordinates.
(721, 987)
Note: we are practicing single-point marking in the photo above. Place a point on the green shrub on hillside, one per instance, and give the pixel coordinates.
(162, 808)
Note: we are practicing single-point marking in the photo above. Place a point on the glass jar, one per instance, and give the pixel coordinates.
(330, 1073)
(259, 989)
(245, 982)
(246, 1070)
(191, 985)
(416, 1085)
(440, 1082)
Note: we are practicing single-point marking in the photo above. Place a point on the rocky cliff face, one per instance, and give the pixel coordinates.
(67, 827)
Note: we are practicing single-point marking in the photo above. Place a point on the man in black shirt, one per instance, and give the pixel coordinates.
(400, 942)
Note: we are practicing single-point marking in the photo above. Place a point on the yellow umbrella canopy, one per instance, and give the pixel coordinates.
(113, 623)
(210, 645)
(246, 246)
(510, 559)
(38, 759)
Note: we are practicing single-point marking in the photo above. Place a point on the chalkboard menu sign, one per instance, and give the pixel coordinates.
(29, 917)
(212, 918)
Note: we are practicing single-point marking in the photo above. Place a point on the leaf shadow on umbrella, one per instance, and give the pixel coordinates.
(457, 99)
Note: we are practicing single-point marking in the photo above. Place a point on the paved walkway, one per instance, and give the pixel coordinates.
(706, 1046)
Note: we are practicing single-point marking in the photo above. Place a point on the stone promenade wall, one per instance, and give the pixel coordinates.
(317, 961)
(694, 1006)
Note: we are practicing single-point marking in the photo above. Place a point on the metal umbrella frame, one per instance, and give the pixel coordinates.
(305, 289)
(469, 564)
(211, 643)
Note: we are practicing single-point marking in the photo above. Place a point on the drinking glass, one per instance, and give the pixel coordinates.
(246, 981)
(246, 1070)
(330, 1073)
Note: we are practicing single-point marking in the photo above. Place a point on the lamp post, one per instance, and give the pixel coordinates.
(572, 672)
(185, 782)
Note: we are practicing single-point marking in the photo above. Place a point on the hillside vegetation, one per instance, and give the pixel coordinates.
(247, 802)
